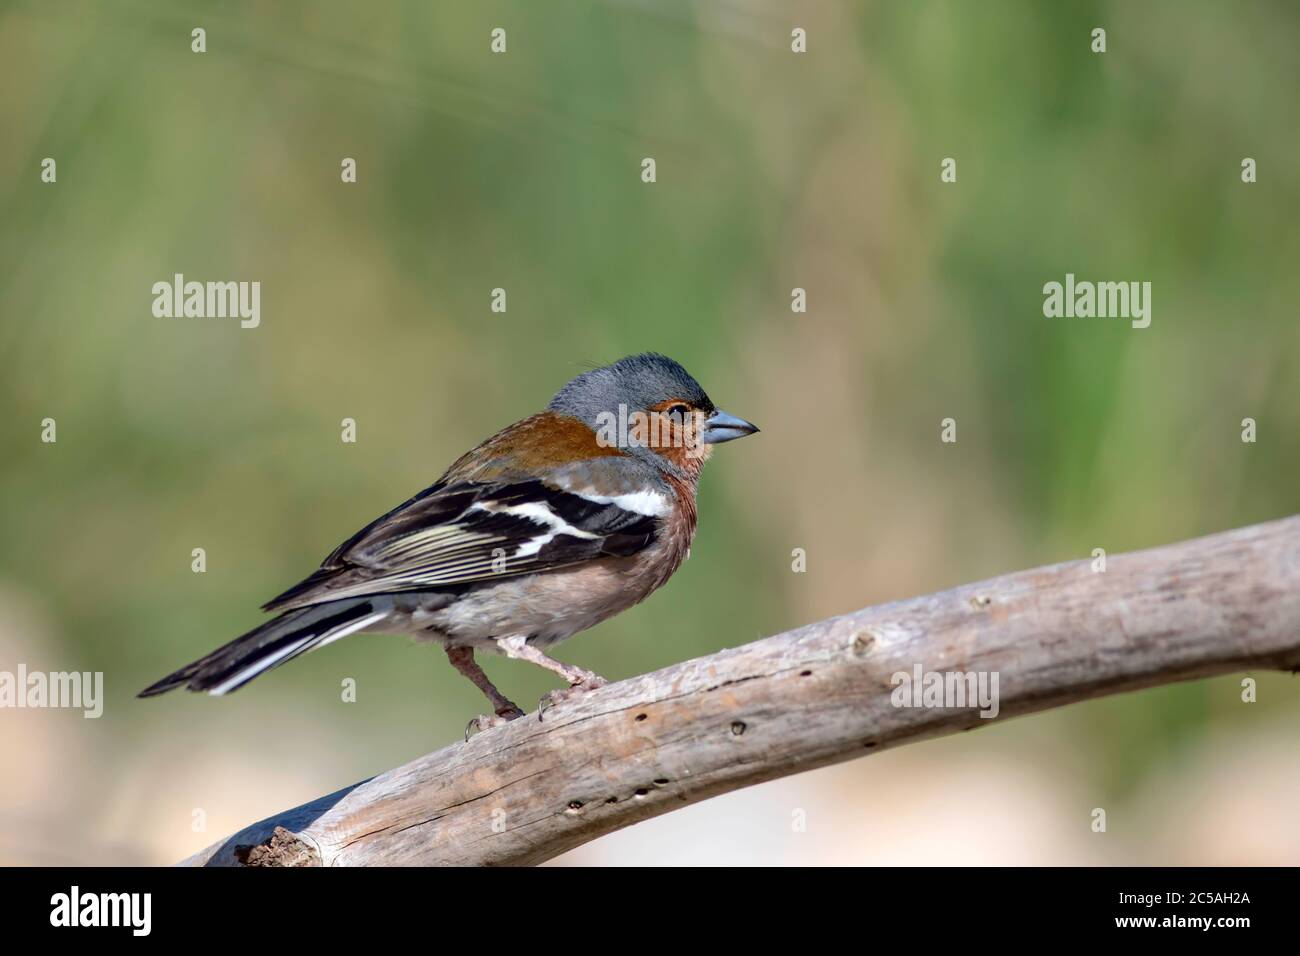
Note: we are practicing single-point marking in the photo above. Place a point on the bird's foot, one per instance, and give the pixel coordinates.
(483, 722)
(587, 683)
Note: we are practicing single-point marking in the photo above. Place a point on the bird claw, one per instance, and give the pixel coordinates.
(483, 722)
(572, 692)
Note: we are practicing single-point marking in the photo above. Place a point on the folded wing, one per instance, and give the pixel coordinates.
(462, 532)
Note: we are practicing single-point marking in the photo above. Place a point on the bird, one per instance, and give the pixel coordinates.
(554, 524)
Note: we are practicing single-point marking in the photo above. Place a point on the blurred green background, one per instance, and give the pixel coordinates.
(522, 171)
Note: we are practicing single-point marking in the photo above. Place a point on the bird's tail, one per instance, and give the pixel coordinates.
(232, 666)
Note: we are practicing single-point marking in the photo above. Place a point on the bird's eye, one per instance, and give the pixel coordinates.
(679, 410)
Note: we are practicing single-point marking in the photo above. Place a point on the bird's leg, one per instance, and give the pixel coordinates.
(462, 658)
(580, 680)
(519, 649)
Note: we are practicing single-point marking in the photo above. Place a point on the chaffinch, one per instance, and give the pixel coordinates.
(549, 527)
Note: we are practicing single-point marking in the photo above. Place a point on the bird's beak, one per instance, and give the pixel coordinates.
(720, 427)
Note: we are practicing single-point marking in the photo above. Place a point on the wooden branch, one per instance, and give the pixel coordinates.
(821, 694)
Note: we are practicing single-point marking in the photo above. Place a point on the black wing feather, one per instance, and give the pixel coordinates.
(451, 535)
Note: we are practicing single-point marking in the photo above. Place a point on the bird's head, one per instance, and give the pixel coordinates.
(649, 405)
